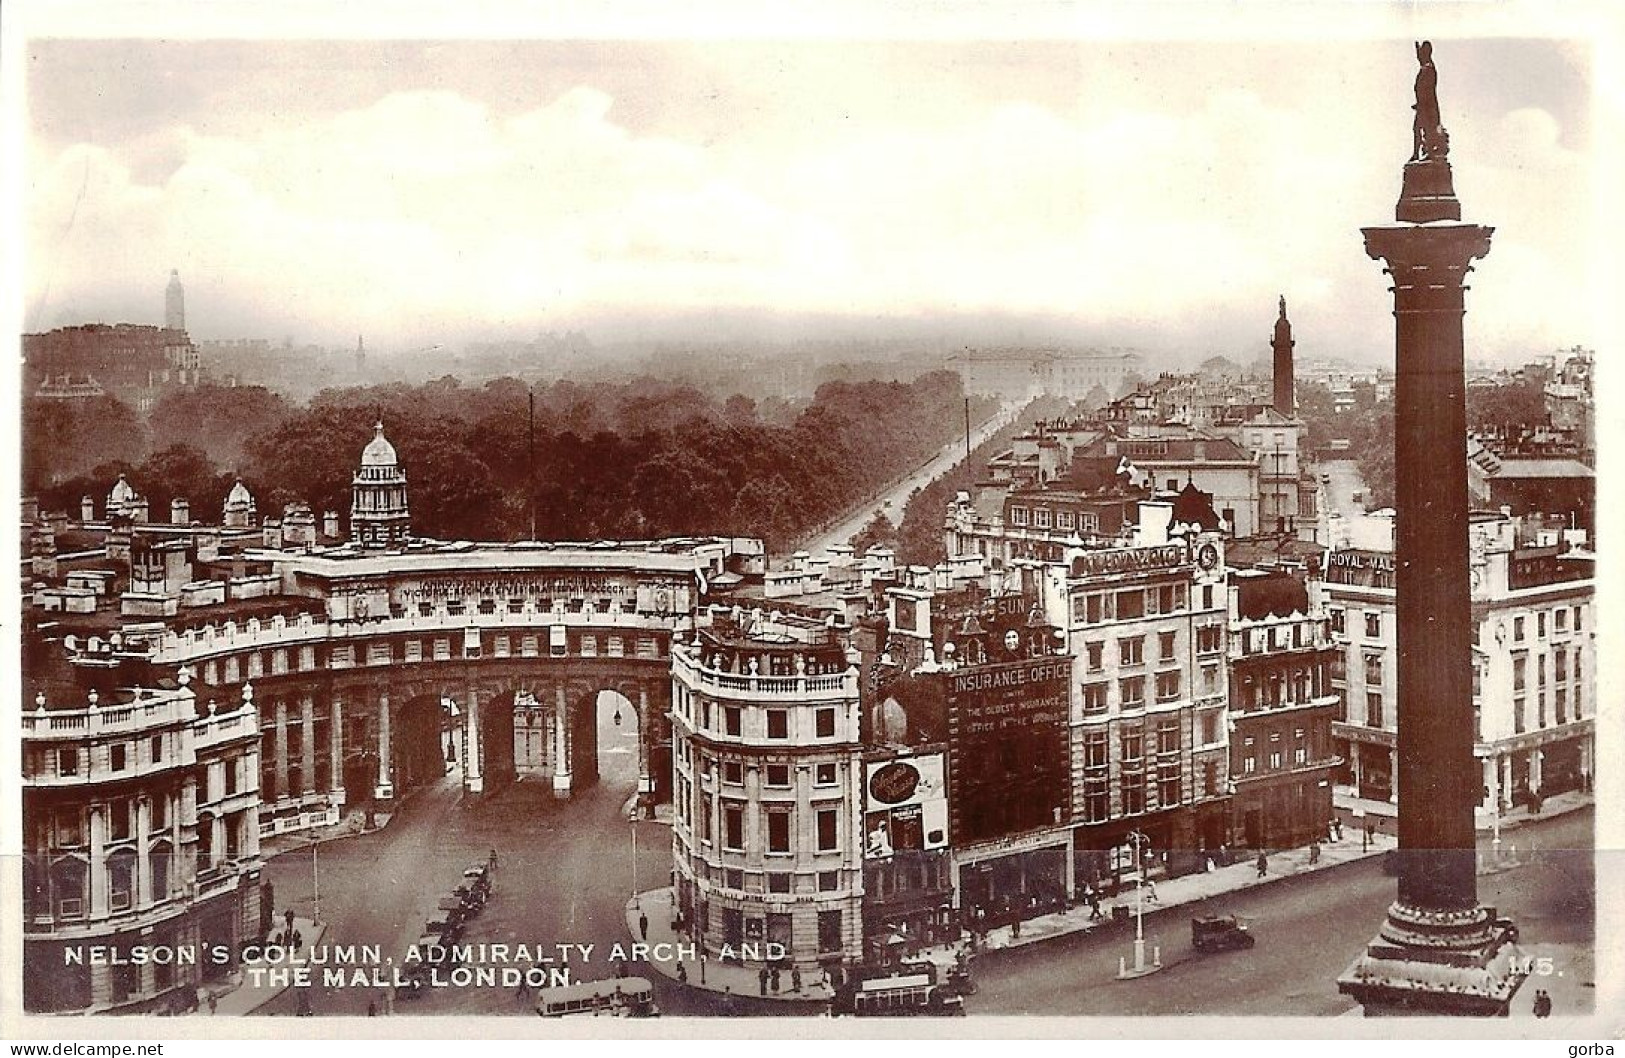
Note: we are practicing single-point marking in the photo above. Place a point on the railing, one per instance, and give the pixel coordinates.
(840, 684)
(79, 723)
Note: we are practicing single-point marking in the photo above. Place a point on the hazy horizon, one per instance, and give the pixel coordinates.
(1155, 197)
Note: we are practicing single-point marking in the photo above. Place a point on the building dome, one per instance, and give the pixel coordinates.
(121, 496)
(379, 452)
(239, 496)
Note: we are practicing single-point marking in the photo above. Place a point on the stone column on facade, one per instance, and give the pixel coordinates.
(1393, 775)
(561, 745)
(1536, 755)
(186, 865)
(98, 860)
(1492, 783)
(473, 777)
(335, 751)
(1439, 951)
(386, 783)
(143, 839)
(307, 746)
(281, 762)
(217, 842)
(646, 730)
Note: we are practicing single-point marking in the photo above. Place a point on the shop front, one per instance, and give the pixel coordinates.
(996, 888)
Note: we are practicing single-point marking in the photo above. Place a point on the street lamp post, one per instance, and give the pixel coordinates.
(634, 857)
(1140, 968)
(316, 880)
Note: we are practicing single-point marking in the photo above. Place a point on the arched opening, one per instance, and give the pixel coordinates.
(616, 725)
(418, 741)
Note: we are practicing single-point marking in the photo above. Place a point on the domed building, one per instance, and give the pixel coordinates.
(378, 512)
(240, 510)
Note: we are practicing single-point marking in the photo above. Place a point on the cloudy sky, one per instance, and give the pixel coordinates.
(1153, 194)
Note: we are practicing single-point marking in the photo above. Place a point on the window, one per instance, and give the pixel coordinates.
(1063, 520)
(1168, 736)
(1518, 715)
(1210, 679)
(778, 775)
(1517, 629)
(733, 773)
(829, 931)
(1133, 746)
(824, 775)
(778, 831)
(1094, 654)
(1041, 517)
(160, 809)
(1133, 692)
(1540, 625)
(1210, 779)
(1519, 673)
(157, 748)
(1373, 710)
(1168, 787)
(1018, 516)
(828, 824)
(1209, 639)
(778, 723)
(705, 817)
(1579, 624)
(1095, 750)
(115, 756)
(1249, 764)
(1210, 727)
(1165, 643)
(825, 720)
(70, 829)
(1167, 686)
(1133, 793)
(829, 881)
(1560, 665)
(1373, 669)
(1338, 624)
(1560, 620)
(1131, 651)
(1099, 608)
(730, 719)
(1275, 758)
(118, 820)
(1373, 624)
(1094, 698)
(1130, 604)
(733, 825)
(778, 881)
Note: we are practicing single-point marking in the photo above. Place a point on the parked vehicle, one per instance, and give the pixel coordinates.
(1220, 933)
(621, 997)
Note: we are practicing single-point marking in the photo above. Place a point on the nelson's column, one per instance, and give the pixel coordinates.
(1439, 951)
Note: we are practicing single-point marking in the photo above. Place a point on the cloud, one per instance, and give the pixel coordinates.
(429, 210)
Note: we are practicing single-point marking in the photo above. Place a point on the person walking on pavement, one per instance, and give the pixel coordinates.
(1150, 891)
(682, 974)
(761, 980)
(795, 979)
(702, 967)
(1314, 852)
(773, 980)
(1263, 865)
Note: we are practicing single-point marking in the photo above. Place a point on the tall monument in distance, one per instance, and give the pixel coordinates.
(174, 303)
(1286, 397)
(1439, 951)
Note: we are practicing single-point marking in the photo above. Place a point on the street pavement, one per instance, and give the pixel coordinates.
(1309, 929)
(565, 872)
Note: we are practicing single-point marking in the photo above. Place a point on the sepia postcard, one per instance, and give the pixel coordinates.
(982, 520)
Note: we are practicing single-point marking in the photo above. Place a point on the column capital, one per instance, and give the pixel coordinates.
(1427, 254)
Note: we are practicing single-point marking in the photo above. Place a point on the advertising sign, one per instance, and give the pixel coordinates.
(906, 803)
(1007, 748)
(1369, 569)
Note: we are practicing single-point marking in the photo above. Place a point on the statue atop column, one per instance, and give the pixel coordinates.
(1429, 139)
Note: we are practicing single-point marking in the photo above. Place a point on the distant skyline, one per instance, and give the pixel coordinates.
(1159, 196)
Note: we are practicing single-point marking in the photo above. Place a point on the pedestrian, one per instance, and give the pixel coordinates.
(1263, 865)
(298, 939)
(682, 974)
(702, 967)
(287, 917)
(213, 1002)
(761, 980)
(491, 861)
(1209, 865)
(1150, 891)
(795, 979)
(1314, 852)
(643, 926)
(1338, 823)
(773, 980)
(1015, 929)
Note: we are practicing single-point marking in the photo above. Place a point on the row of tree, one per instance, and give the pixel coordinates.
(636, 459)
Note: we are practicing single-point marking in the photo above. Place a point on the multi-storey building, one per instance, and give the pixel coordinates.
(1533, 659)
(1282, 705)
(141, 842)
(133, 362)
(767, 834)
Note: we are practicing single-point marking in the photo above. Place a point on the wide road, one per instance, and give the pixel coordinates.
(891, 502)
(1309, 930)
(564, 875)
(1349, 524)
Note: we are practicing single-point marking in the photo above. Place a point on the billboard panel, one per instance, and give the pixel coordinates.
(1009, 770)
(906, 802)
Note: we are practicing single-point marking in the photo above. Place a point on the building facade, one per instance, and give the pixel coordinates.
(140, 833)
(768, 780)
